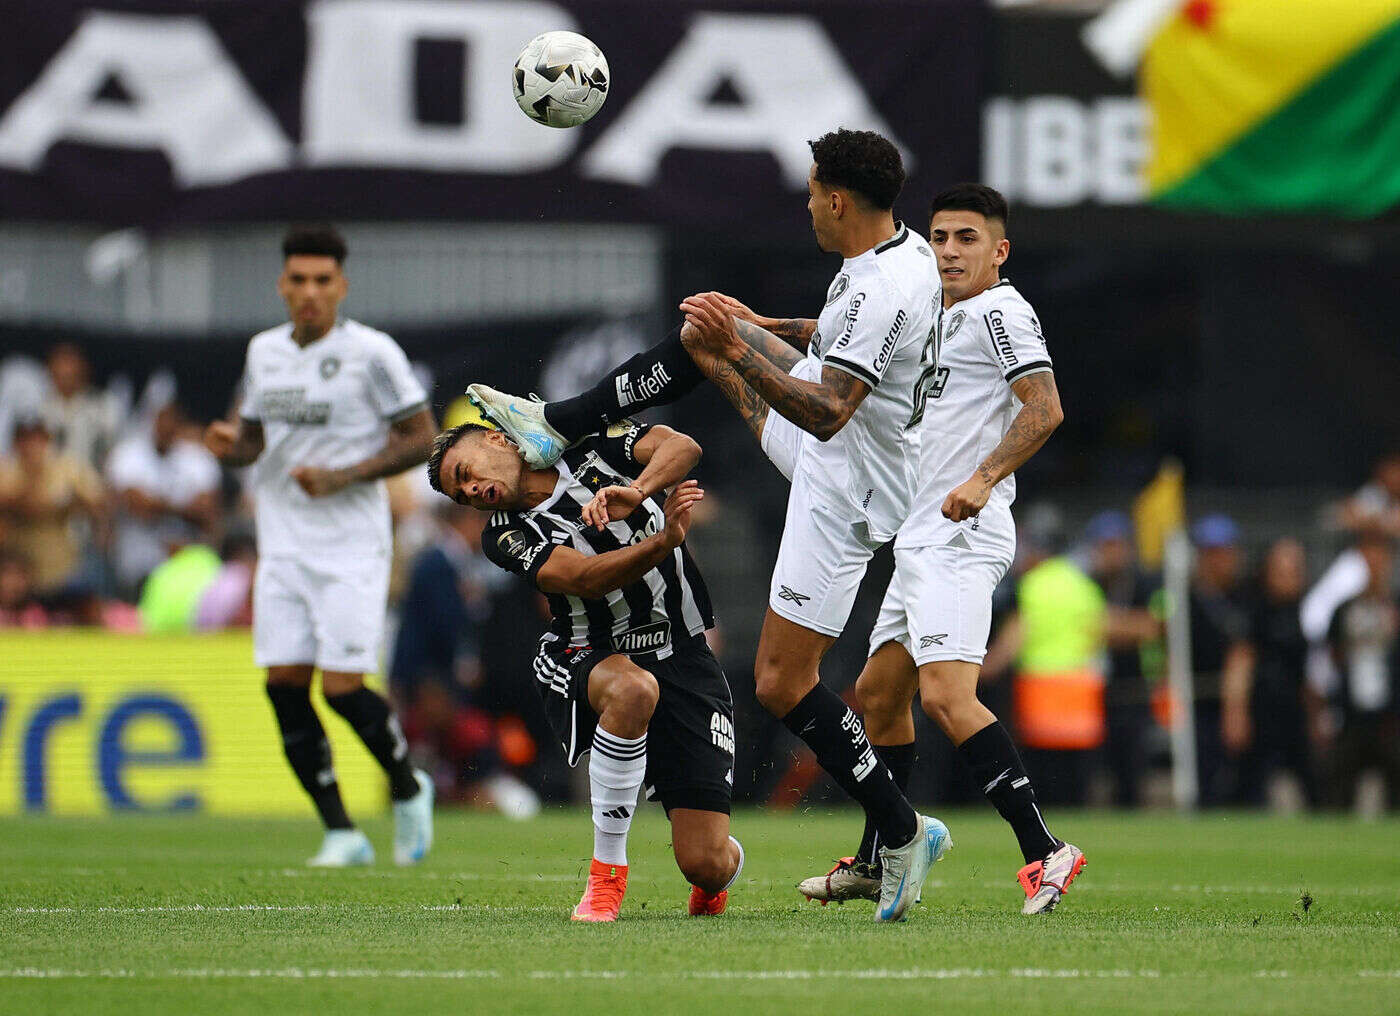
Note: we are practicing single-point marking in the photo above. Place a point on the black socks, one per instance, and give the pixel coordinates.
(378, 728)
(308, 751)
(996, 766)
(899, 759)
(657, 377)
(834, 732)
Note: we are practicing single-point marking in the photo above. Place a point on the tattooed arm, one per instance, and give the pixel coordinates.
(1039, 416)
(821, 409)
(796, 332)
(743, 398)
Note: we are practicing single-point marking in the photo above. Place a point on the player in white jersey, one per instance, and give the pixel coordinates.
(987, 403)
(329, 408)
(839, 427)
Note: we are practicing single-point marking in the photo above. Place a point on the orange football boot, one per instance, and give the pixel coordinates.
(602, 897)
(702, 904)
(1045, 882)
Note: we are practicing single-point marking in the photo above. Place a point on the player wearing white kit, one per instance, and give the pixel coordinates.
(329, 408)
(987, 403)
(839, 426)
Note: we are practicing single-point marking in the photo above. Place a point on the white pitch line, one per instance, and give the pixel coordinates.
(355, 973)
(201, 908)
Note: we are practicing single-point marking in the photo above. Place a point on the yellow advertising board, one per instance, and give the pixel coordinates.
(93, 722)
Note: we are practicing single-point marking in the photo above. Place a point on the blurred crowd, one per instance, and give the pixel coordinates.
(113, 514)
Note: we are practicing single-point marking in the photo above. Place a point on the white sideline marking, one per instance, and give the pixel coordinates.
(357, 973)
(201, 908)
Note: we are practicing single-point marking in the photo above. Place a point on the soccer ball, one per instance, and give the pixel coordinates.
(561, 79)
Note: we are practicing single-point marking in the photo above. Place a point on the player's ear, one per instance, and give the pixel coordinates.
(1002, 252)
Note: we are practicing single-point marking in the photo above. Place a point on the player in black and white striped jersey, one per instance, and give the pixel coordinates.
(624, 669)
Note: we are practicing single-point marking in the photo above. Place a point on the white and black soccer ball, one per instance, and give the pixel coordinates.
(561, 79)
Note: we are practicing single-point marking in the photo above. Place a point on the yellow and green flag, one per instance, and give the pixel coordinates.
(1276, 106)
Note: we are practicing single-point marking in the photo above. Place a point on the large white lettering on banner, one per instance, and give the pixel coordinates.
(792, 83)
(181, 95)
(358, 98)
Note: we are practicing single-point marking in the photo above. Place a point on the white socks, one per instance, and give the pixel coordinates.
(615, 771)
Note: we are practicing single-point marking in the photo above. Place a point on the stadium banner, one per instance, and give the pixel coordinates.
(94, 723)
(155, 112)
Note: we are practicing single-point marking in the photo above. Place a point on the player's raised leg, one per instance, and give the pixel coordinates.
(373, 720)
(624, 696)
(309, 754)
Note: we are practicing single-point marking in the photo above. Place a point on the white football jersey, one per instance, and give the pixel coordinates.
(328, 404)
(879, 315)
(984, 344)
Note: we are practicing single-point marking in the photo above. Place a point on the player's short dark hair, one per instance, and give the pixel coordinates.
(321, 239)
(972, 197)
(442, 444)
(863, 162)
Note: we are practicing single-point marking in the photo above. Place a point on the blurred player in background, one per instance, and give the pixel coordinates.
(624, 669)
(987, 403)
(329, 408)
(841, 427)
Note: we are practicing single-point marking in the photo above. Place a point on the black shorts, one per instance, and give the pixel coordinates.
(690, 740)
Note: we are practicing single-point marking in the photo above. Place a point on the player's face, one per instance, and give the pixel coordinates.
(312, 287)
(483, 470)
(970, 250)
(821, 204)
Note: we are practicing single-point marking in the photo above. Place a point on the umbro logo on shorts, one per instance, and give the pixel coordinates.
(932, 640)
(792, 595)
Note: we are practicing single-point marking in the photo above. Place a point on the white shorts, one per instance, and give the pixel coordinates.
(782, 440)
(331, 616)
(820, 564)
(939, 603)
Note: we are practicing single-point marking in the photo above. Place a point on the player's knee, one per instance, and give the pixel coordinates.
(877, 697)
(774, 691)
(942, 700)
(707, 865)
(633, 696)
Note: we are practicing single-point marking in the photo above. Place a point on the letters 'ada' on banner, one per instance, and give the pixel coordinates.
(92, 722)
(148, 113)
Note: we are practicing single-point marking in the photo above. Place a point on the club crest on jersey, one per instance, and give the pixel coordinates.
(838, 286)
(329, 366)
(954, 323)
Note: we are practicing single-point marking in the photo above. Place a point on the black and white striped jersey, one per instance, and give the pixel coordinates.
(640, 618)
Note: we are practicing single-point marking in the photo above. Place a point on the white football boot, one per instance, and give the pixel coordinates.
(905, 868)
(1046, 881)
(847, 880)
(521, 420)
(413, 823)
(343, 848)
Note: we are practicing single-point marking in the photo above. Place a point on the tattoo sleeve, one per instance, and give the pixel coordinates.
(820, 409)
(796, 331)
(1039, 416)
(774, 349)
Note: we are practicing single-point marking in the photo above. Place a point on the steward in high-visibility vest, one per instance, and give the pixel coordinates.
(1059, 687)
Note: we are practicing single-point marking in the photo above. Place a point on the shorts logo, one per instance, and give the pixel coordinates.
(932, 640)
(792, 596)
(329, 366)
(648, 638)
(722, 733)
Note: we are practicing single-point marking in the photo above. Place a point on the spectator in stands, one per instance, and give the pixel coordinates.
(1219, 642)
(1128, 591)
(227, 602)
(436, 670)
(1263, 689)
(1376, 506)
(19, 607)
(167, 488)
(43, 495)
(1365, 642)
(83, 421)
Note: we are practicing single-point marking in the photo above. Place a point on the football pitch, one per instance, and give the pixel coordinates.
(1221, 913)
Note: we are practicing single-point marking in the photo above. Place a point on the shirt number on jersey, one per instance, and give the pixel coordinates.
(929, 386)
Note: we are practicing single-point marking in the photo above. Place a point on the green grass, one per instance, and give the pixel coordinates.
(1171, 915)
